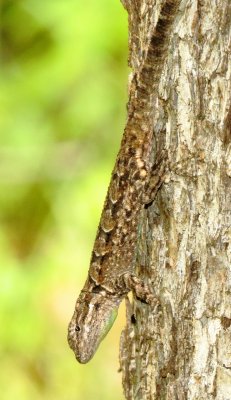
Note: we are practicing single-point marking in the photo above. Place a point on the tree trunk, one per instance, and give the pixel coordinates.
(183, 350)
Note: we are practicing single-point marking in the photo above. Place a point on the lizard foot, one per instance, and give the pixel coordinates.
(139, 288)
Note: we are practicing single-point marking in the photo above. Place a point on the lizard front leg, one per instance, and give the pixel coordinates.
(130, 282)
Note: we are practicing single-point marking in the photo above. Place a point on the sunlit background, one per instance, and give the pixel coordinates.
(62, 112)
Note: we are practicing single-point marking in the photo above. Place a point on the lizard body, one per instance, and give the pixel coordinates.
(111, 273)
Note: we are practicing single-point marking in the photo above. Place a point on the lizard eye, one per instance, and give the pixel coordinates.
(77, 328)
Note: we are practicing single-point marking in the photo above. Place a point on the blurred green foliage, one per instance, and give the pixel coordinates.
(62, 100)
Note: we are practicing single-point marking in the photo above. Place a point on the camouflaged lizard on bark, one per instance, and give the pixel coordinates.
(134, 183)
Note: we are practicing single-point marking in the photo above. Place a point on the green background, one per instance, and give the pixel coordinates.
(63, 92)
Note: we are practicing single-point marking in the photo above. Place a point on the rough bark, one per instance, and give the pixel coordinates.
(183, 351)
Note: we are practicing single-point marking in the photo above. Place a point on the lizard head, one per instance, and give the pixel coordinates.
(92, 319)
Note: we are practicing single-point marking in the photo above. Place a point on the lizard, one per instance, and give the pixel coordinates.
(134, 183)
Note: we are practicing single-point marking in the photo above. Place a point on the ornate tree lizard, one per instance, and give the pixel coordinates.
(134, 183)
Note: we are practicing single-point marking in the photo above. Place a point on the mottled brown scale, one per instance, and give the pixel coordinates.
(111, 272)
(114, 192)
(107, 221)
(100, 246)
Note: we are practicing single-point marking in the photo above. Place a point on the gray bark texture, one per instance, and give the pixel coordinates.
(183, 349)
